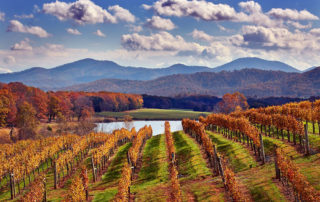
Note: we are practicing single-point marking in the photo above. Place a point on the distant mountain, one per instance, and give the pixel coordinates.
(89, 70)
(255, 63)
(251, 82)
(309, 69)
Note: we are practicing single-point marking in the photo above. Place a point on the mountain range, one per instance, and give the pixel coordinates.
(89, 70)
(250, 82)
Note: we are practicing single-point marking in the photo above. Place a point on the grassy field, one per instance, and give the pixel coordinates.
(258, 179)
(154, 114)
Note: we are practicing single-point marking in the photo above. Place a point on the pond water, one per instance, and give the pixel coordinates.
(157, 126)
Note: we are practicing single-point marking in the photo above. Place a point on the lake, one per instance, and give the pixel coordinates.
(157, 126)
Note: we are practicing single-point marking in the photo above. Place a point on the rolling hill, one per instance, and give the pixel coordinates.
(89, 70)
(251, 82)
(255, 63)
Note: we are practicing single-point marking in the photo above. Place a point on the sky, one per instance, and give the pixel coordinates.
(48, 33)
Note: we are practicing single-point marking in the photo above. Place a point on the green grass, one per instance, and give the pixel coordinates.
(153, 176)
(195, 177)
(240, 158)
(154, 114)
(258, 180)
(107, 188)
(191, 165)
(314, 139)
(5, 194)
(310, 128)
(309, 165)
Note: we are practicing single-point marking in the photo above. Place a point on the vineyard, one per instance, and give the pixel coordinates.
(264, 154)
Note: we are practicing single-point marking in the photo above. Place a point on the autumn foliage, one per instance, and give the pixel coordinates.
(175, 185)
(36, 190)
(196, 130)
(240, 124)
(291, 172)
(124, 184)
(52, 105)
(141, 137)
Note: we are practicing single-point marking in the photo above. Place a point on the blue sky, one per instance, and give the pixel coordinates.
(160, 33)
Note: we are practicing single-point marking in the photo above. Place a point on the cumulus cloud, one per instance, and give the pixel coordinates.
(99, 33)
(199, 9)
(250, 7)
(2, 16)
(280, 38)
(162, 41)
(24, 16)
(23, 45)
(315, 31)
(73, 31)
(201, 35)
(290, 14)
(16, 26)
(87, 12)
(157, 22)
(121, 13)
(297, 25)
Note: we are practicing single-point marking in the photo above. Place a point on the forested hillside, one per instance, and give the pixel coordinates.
(250, 82)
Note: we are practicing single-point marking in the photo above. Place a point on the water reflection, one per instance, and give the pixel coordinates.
(157, 126)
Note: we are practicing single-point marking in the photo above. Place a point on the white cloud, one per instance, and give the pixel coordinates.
(73, 31)
(201, 35)
(23, 45)
(36, 9)
(24, 16)
(9, 59)
(280, 38)
(99, 33)
(41, 56)
(315, 31)
(157, 22)
(250, 7)
(2, 16)
(290, 14)
(135, 28)
(122, 14)
(162, 41)
(297, 25)
(16, 26)
(199, 9)
(87, 12)
(4, 70)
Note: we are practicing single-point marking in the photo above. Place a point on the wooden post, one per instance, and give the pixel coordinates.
(276, 165)
(263, 157)
(221, 170)
(93, 170)
(172, 158)
(55, 175)
(12, 189)
(307, 146)
(45, 190)
(216, 167)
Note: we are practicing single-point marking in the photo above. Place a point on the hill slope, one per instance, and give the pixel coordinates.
(251, 82)
(88, 70)
(255, 63)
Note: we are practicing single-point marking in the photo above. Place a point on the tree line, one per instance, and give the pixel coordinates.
(19, 103)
